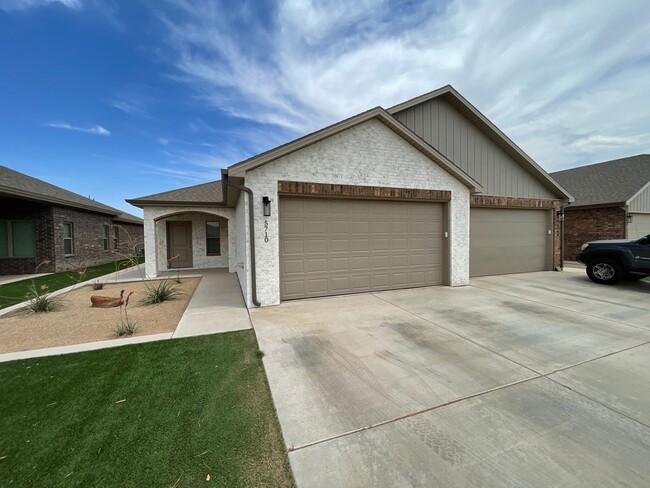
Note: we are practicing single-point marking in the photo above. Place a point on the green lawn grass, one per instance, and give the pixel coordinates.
(13, 293)
(160, 414)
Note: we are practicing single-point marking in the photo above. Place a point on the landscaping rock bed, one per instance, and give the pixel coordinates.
(77, 322)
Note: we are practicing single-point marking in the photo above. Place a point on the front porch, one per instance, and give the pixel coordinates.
(184, 239)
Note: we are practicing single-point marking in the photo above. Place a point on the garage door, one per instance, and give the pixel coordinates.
(639, 227)
(506, 241)
(334, 247)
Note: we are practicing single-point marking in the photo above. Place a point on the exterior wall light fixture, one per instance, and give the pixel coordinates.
(266, 203)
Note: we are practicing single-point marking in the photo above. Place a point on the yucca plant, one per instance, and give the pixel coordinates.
(163, 291)
(40, 300)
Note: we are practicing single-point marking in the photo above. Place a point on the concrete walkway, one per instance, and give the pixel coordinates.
(216, 306)
(6, 279)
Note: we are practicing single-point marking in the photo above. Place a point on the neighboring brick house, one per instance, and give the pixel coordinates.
(42, 223)
(428, 192)
(612, 201)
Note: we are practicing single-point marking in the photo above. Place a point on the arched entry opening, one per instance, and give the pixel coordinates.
(191, 239)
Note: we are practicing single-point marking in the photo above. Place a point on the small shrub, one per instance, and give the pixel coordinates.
(161, 292)
(98, 285)
(126, 328)
(39, 300)
(259, 354)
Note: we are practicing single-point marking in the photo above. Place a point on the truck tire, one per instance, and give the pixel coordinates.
(605, 271)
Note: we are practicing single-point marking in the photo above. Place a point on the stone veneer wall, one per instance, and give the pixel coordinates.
(591, 224)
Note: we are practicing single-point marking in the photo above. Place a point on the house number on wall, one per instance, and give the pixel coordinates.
(266, 231)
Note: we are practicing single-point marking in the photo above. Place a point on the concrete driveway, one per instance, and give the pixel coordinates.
(537, 379)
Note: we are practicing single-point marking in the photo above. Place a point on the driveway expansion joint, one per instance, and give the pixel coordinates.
(537, 375)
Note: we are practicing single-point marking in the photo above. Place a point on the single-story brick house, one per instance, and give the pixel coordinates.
(40, 222)
(612, 201)
(427, 192)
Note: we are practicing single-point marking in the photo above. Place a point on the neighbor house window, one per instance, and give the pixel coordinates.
(17, 239)
(116, 237)
(68, 238)
(213, 238)
(106, 235)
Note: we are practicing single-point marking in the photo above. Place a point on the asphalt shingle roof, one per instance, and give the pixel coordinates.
(128, 218)
(205, 193)
(610, 182)
(15, 184)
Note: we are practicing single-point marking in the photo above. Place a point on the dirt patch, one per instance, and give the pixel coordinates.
(77, 322)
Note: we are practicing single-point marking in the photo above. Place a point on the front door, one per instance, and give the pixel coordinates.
(179, 244)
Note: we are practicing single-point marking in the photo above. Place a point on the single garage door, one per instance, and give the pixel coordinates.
(506, 241)
(334, 247)
(639, 227)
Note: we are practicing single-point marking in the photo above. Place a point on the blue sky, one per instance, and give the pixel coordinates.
(118, 99)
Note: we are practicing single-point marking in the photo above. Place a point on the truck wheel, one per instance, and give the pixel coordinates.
(605, 271)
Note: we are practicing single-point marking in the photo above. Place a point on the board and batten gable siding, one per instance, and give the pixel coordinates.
(369, 154)
(641, 202)
(448, 131)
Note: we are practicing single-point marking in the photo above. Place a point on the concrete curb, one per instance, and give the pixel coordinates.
(88, 346)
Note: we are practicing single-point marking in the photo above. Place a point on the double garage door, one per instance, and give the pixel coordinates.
(506, 241)
(336, 246)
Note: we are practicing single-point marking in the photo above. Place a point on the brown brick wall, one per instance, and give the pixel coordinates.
(88, 238)
(41, 215)
(354, 191)
(88, 234)
(591, 224)
(512, 202)
(131, 238)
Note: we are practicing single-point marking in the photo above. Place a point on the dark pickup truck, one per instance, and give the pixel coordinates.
(609, 262)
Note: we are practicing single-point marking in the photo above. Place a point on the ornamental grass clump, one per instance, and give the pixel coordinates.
(40, 300)
(163, 291)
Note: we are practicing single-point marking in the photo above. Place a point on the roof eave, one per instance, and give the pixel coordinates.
(168, 203)
(14, 192)
(641, 190)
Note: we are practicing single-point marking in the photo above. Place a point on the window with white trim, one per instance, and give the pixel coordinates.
(68, 238)
(106, 235)
(213, 238)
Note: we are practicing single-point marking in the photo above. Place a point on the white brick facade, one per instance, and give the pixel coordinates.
(156, 236)
(369, 154)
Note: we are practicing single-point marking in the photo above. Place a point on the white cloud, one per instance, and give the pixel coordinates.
(566, 80)
(94, 129)
(128, 107)
(26, 4)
